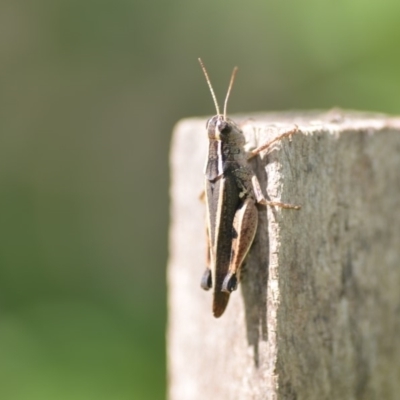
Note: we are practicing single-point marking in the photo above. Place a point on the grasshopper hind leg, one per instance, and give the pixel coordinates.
(206, 280)
(245, 226)
(230, 283)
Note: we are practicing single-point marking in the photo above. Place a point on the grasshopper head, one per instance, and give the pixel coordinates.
(224, 130)
(226, 142)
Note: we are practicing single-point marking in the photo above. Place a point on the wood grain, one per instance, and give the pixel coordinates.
(317, 314)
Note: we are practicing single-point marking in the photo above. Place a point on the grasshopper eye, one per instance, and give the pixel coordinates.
(224, 127)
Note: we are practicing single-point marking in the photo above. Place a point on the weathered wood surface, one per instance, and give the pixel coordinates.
(317, 315)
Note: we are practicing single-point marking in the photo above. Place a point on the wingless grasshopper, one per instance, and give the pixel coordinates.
(232, 191)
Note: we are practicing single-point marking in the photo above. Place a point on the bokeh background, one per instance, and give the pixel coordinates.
(89, 93)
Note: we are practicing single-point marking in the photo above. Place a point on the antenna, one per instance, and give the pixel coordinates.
(229, 90)
(210, 86)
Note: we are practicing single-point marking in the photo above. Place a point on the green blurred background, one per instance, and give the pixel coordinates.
(90, 91)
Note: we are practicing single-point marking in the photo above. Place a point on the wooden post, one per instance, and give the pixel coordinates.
(317, 314)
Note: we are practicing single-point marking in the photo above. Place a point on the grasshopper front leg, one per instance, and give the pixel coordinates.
(267, 145)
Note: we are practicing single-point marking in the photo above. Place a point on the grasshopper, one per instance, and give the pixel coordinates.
(232, 192)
